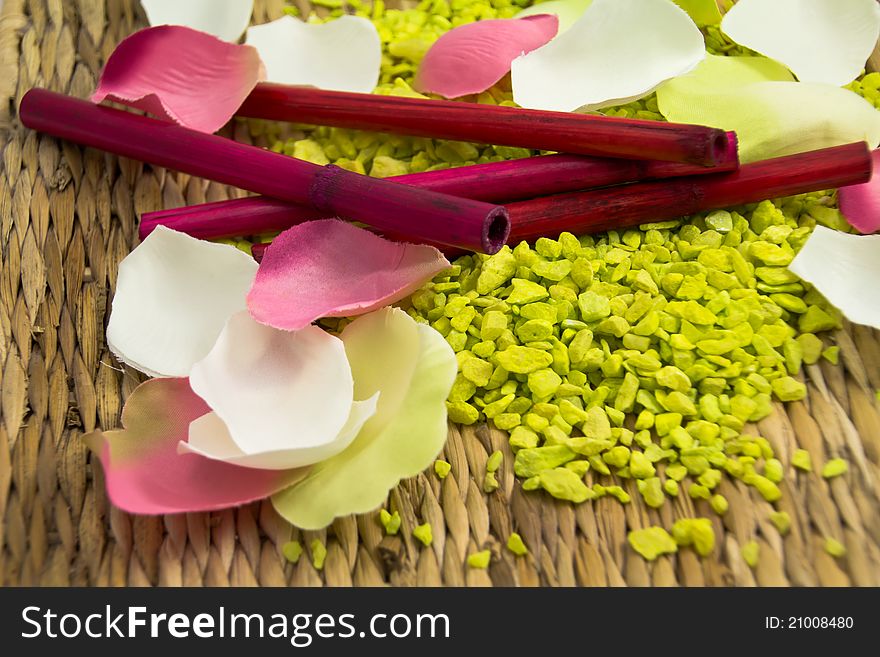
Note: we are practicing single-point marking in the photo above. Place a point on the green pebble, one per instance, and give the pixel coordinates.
(768, 490)
(719, 504)
(815, 320)
(525, 291)
(618, 493)
(645, 420)
(539, 310)
(699, 492)
(751, 551)
(720, 220)
(292, 551)
(811, 348)
(462, 389)
(507, 421)
(593, 306)
(532, 483)
(696, 532)
(479, 559)
(617, 456)
(673, 378)
(788, 389)
(834, 547)
(782, 521)
(676, 472)
(626, 394)
(390, 521)
(597, 425)
(834, 468)
(516, 545)
(616, 326)
(523, 360)
(554, 270)
(543, 383)
(564, 484)
(548, 248)
(651, 491)
(499, 406)
(532, 461)
(523, 438)
(496, 271)
(773, 470)
(651, 542)
(580, 468)
(319, 554)
(582, 273)
(789, 302)
(311, 151)
(461, 412)
(710, 478)
(771, 254)
(493, 326)
(424, 534)
(494, 461)
(666, 422)
(802, 461)
(831, 354)
(442, 468)
(597, 464)
(483, 349)
(535, 422)
(677, 402)
(477, 371)
(639, 466)
(534, 330)
(490, 482)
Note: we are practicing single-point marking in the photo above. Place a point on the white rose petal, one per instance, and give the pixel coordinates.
(342, 55)
(819, 40)
(845, 269)
(285, 397)
(174, 294)
(617, 51)
(226, 19)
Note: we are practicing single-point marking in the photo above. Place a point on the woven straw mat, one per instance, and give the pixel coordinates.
(68, 216)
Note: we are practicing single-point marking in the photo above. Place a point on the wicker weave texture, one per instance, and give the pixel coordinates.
(68, 216)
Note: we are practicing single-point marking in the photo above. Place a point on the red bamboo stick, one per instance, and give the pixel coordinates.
(584, 134)
(628, 205)
(631, 205)
(496, 181)
(331, 190)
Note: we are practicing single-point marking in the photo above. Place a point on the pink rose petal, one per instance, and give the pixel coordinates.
(146, 475)
(473, 57)
(860, 204)
(329, 268)
(190, 77)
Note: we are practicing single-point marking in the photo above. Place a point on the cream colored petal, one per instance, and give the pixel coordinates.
(617, 51)
(226, 19)
(772, 119)
(819, 40)
(174, 294)
(277, 390)
(413, 367)
(341, 55)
